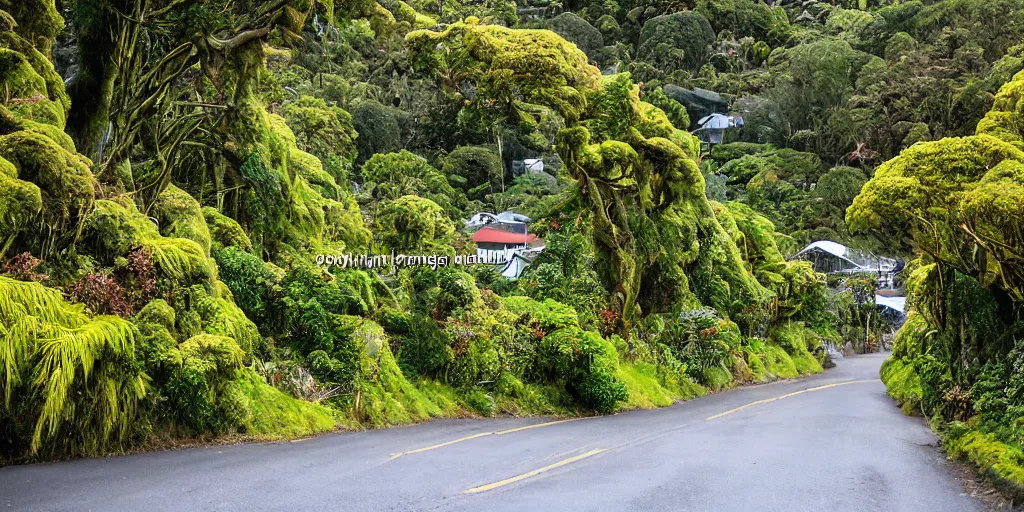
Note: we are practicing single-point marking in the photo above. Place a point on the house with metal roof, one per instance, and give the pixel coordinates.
(831, 257)
(505, 237)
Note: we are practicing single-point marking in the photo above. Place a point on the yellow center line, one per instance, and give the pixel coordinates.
(481, 434)
(787, 395)
(524, 476)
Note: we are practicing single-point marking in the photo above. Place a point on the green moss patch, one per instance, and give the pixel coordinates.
(902, 383)
(276, 415)
(1002, 463)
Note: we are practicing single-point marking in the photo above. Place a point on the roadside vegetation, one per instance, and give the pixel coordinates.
(169, 171)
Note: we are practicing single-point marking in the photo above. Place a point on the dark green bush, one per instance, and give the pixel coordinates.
(585, 363)
(250, 281)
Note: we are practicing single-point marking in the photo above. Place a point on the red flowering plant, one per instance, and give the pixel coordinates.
(24, 268)
(122, 291)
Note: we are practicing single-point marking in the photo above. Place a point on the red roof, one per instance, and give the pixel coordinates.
(497, 236)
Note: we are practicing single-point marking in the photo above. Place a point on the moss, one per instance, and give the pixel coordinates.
(548, 69)
(1004, 120)
(514, 397)
(115, 227)
(38, 21)
(386, 397)
(902, 383)
(156, 312)
(1003, 463)
(445, 397)
(276, 415)
(643, 386)
(34, 90)
(585, 363)
(225, 231)
(216, 357)
(779, 363)
(548, 315)
(795, 338)
(179, 216)
(66, 185)
(758, 367)
(20, 202)
(219, 315)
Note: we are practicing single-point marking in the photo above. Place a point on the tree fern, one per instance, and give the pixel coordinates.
(73, 377)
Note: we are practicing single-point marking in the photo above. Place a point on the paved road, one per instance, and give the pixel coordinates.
(832, 442)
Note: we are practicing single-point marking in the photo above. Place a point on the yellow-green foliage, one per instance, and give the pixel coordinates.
(115, 227)
(636, 172)
(386, 397)
(548, 315)
(65, 184)
(910, 339)
(225, 231)
(518, 398)
(274, 414)
(284, 213)
(779, 363)
(34, 90)
(1006, 119)
(1002, 462)
(902, 383)
(545, 68)
(795, 339)
(795, 283)
(933, 190)
(216, 357)
(68, 381)
(445, 397)
(20, 201)
(645, 392)
(180, 216)
(219, 315)
(38, 21)
(758, 368)
(413, 223)
(405, 12)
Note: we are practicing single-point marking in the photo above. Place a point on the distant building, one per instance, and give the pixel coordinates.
(520, 167)
(832, 257)
(508, 218)
(505, 237)
(711, 128)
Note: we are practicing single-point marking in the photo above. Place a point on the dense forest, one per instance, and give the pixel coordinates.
(171, 169)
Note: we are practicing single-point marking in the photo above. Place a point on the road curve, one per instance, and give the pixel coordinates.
(832, 442)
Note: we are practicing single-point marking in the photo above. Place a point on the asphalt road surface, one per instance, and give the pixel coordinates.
(832, 442)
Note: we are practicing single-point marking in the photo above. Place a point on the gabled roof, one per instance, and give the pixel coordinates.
(859, 259)
(488, 234)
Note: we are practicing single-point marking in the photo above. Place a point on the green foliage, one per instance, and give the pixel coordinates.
(531, 66)
(1004, 463)
(180, 216)
(225, 231)
(320, 128)
(378, 126)
(680, 40)
(586, 364)
(273, 414)
(415, 225)
(394, 175)
(71, 382)
(251, 283)
(476, 170)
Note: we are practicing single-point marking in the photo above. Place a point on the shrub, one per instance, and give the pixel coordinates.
(249, 280)
(585, 363)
